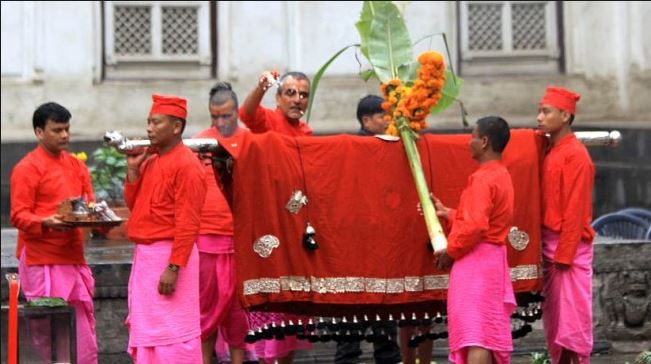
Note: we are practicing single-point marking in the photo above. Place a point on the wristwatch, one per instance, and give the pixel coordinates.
(173, 267)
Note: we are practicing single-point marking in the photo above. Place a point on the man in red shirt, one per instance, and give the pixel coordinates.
(567, 180)
(480, 294)
(165, 192)
(50, 250)
(221, 310)
(292, 99)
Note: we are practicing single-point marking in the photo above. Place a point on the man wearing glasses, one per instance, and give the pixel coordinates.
(292, 98)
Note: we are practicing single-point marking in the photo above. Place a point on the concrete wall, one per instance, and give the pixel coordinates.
(53, 51)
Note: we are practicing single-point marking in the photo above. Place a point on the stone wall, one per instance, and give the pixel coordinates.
(622, 294)
(606, 56)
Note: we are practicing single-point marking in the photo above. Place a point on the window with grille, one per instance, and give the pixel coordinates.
(157, 39)
(509, 37)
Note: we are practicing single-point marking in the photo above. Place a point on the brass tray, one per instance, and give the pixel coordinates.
(94, 223)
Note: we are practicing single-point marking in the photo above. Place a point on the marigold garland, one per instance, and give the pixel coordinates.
(408, 106)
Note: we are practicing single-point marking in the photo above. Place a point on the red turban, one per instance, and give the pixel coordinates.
(169, 105)
(561, 98)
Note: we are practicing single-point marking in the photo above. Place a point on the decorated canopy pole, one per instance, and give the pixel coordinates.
(406, 109)
(412, 89)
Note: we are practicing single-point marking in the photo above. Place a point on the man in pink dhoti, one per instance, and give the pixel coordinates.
(165, 190)
(480, 294)
(567, 180)
(221, 311)
(51, 251)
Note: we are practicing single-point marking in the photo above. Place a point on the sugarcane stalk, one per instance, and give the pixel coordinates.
(434, 229)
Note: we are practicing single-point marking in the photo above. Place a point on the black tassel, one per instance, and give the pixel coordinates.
(308, 238)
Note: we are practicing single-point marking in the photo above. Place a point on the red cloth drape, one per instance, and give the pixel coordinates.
(373, 244)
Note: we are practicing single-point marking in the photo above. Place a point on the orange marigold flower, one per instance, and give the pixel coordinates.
(414, 125)
(430, 57)
(392, 130)
(409, 106)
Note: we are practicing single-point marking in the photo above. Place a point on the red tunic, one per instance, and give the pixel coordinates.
(267, 119)
(485, 212)
(39, 183)
(567, 180)
(216, 217)
(166, 201)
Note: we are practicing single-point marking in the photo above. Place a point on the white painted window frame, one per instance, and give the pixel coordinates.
(203, 57)
(551, 31)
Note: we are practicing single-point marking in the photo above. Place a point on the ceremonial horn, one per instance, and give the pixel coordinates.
(123, 145)
(599, 138)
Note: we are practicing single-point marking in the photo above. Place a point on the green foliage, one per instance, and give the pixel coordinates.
(449, 92)
(47, 302)
(364, 26)
(643, 358)
(317, 78)
(389, 45)
(540, 358)
(108, 171)
(385, 43)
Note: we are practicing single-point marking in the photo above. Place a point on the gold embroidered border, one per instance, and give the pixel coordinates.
(522, 272)
(363, 284)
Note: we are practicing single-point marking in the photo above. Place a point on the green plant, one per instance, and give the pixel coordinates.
(540, 358)
(108, 171)
(412, 89)
(643, 358)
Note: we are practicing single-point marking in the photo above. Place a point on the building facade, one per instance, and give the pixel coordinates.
(103, 60)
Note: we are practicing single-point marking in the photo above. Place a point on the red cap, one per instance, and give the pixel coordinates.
(169, 105)
(561, 98)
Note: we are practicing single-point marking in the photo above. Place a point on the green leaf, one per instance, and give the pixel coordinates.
(364, 26)
(366, 75)
(389, 45)
(98, 153)
(317, 79)
(107, 169)
(47, 302)
(447, 50)
(429, 36)
(449, 93)
(408, 71)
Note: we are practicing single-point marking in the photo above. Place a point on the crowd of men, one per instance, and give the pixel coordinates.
(182, 299)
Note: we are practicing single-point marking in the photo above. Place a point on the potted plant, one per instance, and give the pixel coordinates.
(107, 169)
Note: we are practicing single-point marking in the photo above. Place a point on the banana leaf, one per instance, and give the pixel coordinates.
(364, 25)
(449, 92)
(319, 75)
(366, 75)
(389, 46)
